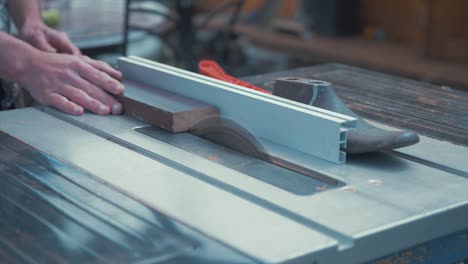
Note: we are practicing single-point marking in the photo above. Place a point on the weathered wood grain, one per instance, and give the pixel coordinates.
(435, 111)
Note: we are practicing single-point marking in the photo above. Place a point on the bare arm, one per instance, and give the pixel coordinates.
(11, 52)
(27, 17)
(25, 11)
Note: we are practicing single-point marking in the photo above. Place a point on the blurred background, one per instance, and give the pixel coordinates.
(421, 39)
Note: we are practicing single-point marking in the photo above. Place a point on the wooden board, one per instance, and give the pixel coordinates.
(161, 108)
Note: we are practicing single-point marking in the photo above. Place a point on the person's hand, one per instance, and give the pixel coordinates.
(47, 39)
(71, 83)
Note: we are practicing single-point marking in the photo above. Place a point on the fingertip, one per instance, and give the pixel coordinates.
(103, 110)
(119, 89)
(112, 72)
(77, 110)
(117, 109)
(72, 108)
(63, 104)
(118, 74)
(76, 51)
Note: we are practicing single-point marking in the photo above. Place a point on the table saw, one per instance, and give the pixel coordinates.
(114, 189)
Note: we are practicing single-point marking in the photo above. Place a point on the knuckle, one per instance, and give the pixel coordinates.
(37, 42)
(43, 100)
(80, 66)
(100, 64)
(49, 99)
(35, 34)
(102, 78)
(77, 93)
(111, 82)
(69, 73)
(109, 85)
(75, 64)
(60, 101)
(63, 35)
(93, 105)
(106, 98)
(92, 92)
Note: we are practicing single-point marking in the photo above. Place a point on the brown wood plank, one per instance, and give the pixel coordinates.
(169, 111)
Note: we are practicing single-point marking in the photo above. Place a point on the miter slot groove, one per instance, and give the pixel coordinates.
(429, 163)
(305, 171)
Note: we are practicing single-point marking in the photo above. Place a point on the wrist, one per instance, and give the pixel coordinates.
(25, 57)
(30, 25)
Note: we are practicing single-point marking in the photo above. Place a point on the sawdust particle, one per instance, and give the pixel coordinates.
(320, 188)
(212, 158)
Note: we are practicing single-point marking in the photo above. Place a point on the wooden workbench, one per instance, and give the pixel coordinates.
(436, 111)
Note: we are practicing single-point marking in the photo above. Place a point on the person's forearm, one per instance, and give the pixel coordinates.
(25, 11)
(13, 56)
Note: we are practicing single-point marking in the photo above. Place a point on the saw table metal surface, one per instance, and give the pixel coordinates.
(94, 189)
